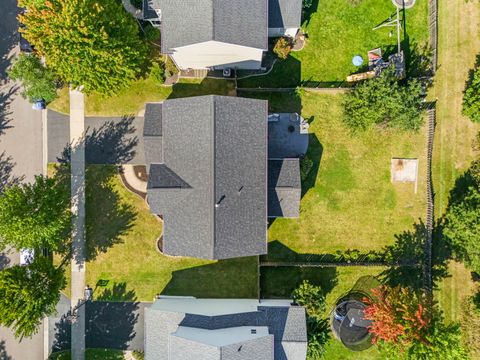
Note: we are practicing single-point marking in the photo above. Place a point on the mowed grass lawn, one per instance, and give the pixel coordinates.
(349, 201)
(337, 31)
(124, 232)
(132, 99)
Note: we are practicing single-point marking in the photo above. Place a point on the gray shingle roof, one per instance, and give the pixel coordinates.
(284, 13)
(287, 325)
(284, 188)
(218, 147)
(187, 22)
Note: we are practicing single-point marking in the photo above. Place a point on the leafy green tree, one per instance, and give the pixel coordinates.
(443, 342)
(86, 42)
(28, 294)
(471, 97)
(462, 219)
(38, 82)
(311, 297)
(35, 215)
(384, 101)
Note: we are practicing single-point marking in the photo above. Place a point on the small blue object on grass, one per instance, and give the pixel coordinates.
(357, 60)
(39, 105)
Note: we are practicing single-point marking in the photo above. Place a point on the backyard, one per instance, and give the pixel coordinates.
(338, 30)
(349, 202)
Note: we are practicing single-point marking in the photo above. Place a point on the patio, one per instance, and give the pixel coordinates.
(287, 136)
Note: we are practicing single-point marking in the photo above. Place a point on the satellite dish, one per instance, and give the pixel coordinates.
(357, 60)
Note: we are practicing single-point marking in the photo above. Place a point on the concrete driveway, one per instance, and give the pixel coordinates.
(20, 159)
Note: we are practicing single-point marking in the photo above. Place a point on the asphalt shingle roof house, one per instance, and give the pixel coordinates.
(224, 329)
(218, 34)
(210, 178)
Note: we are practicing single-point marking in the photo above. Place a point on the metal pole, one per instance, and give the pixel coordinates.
(398, 30)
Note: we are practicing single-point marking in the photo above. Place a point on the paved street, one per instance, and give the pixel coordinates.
(20, 126)
(20, 159)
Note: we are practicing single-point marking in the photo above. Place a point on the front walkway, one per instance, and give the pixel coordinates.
(77, 129)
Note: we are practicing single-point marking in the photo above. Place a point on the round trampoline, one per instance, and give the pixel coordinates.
(347, 318)
(349, 325)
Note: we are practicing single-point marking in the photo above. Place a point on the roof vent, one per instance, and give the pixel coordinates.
(219, 201)
(253, 331)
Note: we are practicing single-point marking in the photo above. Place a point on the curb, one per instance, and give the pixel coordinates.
(44, 142)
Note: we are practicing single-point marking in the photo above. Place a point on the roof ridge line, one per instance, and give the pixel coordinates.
(213, 20)
(214, 172)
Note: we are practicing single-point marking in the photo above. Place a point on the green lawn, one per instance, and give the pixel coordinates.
(459, 45)
(349, 201)
(121, 234)
(91, 354)
(133, 99)
(336, 32)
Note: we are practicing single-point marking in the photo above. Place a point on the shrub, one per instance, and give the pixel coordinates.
(471, 98)
(311, 297)
(138, 355)
(386, 102)
(306, 165)
(170, 67)
(157, 72)
(318, 335)
(282, 48)
(152, 34)
(137, 3)
(307, 4)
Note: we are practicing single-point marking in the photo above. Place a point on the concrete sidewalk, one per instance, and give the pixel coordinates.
(77, 129)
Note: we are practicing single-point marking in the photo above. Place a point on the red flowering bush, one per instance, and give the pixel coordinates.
(398, 315)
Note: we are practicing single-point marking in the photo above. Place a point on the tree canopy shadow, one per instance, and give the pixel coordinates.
(8, 33)
(231, 278)
(6, 168)
(108, 217)
(279, 282)
(307, 13)
(5, 112)
(114, 142)
(3, 351)
(314, 153)
(113, 320)
(471, 73)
